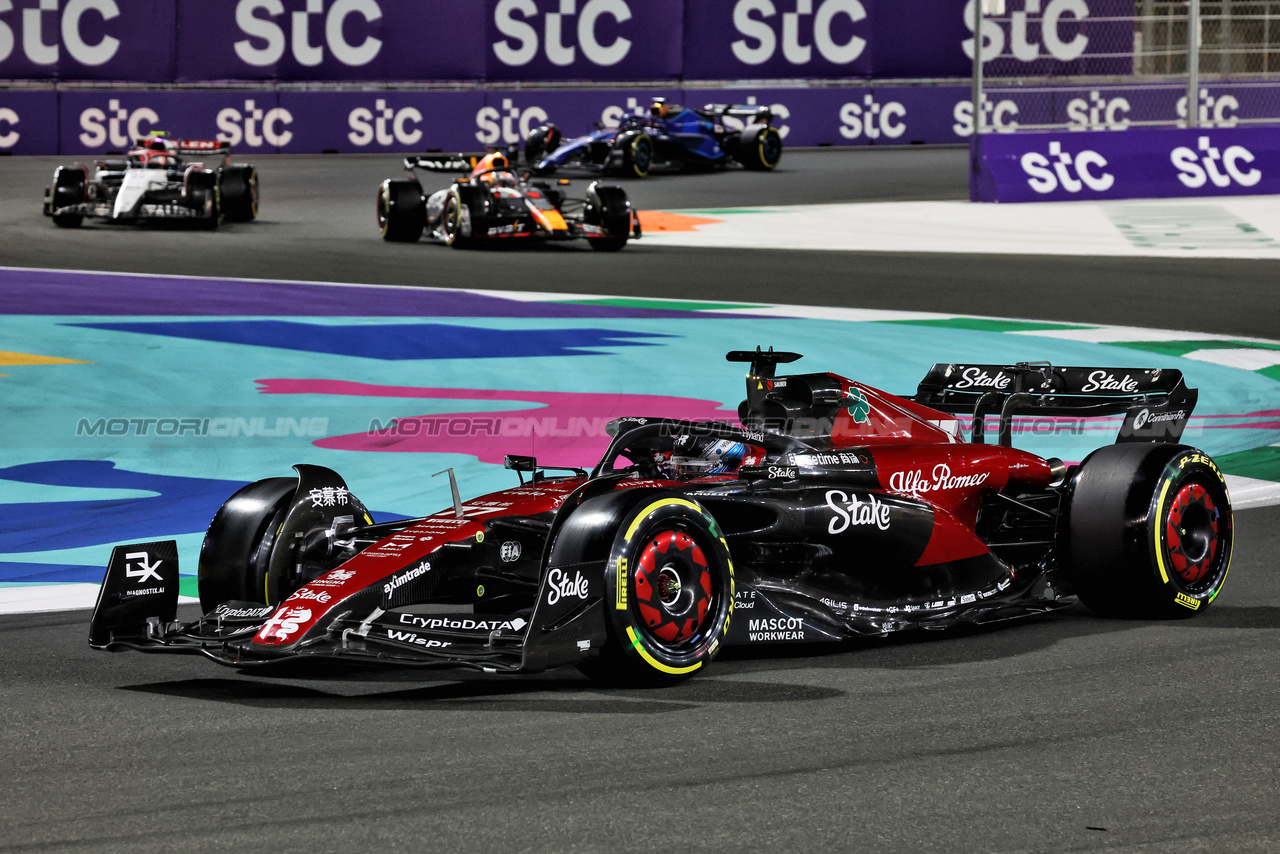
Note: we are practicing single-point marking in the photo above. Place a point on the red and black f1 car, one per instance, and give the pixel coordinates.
(154, 182)
(493, 204)
(833, 511)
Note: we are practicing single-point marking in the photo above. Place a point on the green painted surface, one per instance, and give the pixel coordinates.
(1181, 348)
(1259, 463)
(189, 585)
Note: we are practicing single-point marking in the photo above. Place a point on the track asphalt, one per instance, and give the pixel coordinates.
(1065, 733)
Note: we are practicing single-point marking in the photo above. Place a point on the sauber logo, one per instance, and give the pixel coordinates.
(145, 571)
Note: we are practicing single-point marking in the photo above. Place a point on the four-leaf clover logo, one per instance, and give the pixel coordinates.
(859, 406)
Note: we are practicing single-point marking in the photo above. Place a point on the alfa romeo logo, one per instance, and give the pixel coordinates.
(860, 407)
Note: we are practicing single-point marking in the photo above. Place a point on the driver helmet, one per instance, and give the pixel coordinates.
(155, 153)
(695, 456)
(662, 109)
(500, 177)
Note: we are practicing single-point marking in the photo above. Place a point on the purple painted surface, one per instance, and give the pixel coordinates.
(28, 122)
(392, 121)
(62, 292)
(1090, 165)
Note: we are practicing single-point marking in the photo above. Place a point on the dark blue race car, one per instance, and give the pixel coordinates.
(671, 135)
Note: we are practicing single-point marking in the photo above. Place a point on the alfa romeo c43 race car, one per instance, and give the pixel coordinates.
(670, 136)
(154, 182)
(493, 204)
(833, 511)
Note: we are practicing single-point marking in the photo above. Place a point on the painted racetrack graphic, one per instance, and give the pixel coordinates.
(136, 404)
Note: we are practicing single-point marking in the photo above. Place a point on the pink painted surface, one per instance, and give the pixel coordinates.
(558, 427)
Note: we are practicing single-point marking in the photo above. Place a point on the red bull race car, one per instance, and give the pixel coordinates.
(495, 205)
(154, 182)
(832, 511)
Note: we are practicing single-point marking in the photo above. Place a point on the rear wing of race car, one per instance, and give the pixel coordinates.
(1156, 403)
(188, 146)
(460, 162)
(749, 113)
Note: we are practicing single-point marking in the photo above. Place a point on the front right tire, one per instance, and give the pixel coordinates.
(401, 210)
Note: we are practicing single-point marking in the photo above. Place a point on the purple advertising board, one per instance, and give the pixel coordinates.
(87, 40)
(335, 40)
(28, 121)
(590, 40)
(344, 41)
(1092, 165)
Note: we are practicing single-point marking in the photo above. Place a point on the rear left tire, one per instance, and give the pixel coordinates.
(401, 210)
(238, 192)
(759, 148)
(608, 207)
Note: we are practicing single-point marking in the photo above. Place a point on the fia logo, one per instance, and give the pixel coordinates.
(520, 47)
(1200, 165)
(510, 551)
(145, 571)
(1021, 45)
(754, 20)
(871, 119)
(1042, 180)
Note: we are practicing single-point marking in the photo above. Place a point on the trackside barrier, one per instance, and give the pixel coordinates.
(1162, 163)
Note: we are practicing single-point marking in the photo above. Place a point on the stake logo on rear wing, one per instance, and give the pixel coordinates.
(1155, 401)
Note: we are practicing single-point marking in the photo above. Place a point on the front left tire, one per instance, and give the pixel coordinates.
(401, 210)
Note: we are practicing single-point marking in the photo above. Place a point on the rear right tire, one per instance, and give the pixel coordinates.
(607, 207)
(1148, 531)
(70, 184)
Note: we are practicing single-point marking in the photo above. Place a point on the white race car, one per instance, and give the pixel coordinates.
(154, 182)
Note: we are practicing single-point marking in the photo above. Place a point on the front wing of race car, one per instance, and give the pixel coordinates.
(137, 608)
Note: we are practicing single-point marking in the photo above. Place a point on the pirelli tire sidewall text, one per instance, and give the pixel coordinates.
(647, 656)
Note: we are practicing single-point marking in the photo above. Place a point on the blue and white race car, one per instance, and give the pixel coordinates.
(670, 136)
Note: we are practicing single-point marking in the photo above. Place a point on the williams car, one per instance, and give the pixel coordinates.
(671, 136)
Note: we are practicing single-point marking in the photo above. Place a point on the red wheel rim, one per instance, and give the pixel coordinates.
(673, 587)
(1191, 533)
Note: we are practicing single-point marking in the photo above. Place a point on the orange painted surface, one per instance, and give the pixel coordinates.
(9, 358)
(651, 221)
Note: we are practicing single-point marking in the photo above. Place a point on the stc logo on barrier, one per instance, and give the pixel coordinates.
(383, 124)
(1098, 113)
(1023, 49)
(508, 125)
(8, 135)
(117, 126)
(996, 116)
(256, 19)
(753, 19)
(872, 120)
(520, 47)
(255, 126)
(47, 21)
(1198, 166)
(1046, 180)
